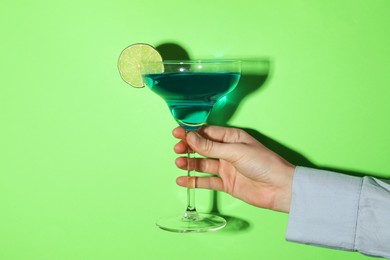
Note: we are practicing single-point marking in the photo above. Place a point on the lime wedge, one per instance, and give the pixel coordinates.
(131, 59)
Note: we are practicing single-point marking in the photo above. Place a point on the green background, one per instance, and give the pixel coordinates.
(86, 162)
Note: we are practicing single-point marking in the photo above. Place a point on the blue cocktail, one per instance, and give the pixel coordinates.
(191, 88)
(191, 96)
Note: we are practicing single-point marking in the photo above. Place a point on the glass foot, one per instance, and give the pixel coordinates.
(192, 222)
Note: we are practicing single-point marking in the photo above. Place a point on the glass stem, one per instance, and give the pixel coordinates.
(191, 209)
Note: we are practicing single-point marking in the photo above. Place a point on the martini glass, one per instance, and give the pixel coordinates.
(190, 89)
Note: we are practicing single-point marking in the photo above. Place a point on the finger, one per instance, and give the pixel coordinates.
(230, 152)
(198, 164)
(181, 147)
(179, 132)
(212, 183)
(226, 134)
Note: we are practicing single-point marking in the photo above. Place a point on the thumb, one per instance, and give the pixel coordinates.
(209, 148)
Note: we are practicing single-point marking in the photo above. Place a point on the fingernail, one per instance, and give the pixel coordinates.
(192, 137)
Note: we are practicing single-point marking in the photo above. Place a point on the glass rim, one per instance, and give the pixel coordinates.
(180, 62)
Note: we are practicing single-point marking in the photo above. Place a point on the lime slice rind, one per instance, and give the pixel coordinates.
(131, 59)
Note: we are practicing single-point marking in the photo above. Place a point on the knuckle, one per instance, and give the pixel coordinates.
(233, 135)
(208, 147)
(239, 133)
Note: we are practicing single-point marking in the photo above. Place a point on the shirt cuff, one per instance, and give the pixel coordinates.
(324, 208)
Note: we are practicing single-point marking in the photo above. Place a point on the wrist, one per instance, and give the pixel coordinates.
(283, 199)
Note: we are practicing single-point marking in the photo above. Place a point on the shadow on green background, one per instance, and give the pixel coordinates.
(172, 51)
